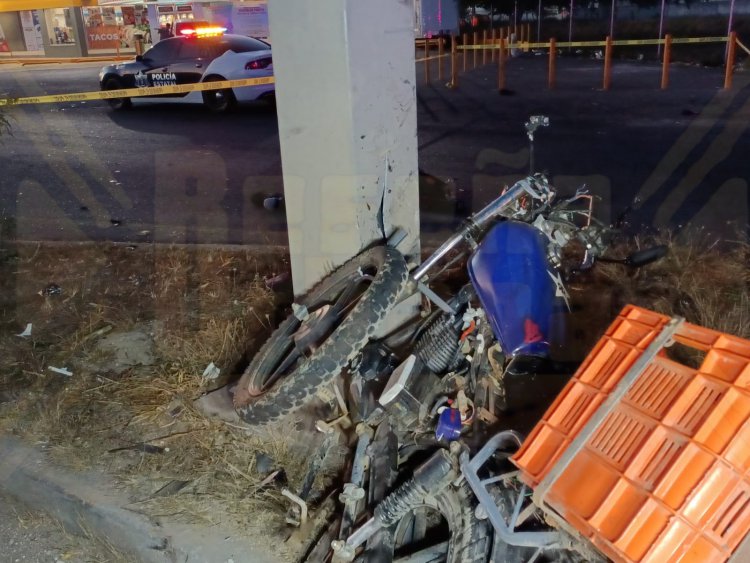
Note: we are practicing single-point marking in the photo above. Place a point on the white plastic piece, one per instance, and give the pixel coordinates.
(398, 381)
(211, 372)
(27, 331)
(300, 311)
(62, 371)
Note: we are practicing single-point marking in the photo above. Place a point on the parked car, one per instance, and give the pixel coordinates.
(197, 55)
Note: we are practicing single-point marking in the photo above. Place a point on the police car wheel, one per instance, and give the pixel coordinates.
(116, 103)
(218, 101)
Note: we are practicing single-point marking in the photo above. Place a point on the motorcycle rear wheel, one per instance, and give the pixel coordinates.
(333, 322)
(470, 539)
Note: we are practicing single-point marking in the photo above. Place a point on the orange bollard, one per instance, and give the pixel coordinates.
(474, 44)
(665, 61)
(454, 62)
(729, 71)
(607, 82)
(493, 53)
(464, 43)
(552, 75)
(501, 66)
(441, 54)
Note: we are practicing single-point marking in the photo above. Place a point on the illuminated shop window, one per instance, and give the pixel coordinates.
(60, 26)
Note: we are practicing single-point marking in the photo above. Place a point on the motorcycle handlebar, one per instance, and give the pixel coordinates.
(478, 220)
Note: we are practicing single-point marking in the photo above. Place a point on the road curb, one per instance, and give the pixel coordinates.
(88, 504)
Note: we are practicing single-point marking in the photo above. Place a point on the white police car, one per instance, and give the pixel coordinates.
(198, 55)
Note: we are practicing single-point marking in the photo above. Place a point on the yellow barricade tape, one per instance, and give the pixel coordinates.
(137, 92)
(741, 46)
(435, 57)
(619, 42)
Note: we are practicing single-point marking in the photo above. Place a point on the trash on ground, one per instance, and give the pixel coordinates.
(211, 372)
(26, 332)
(141, 447)
(61, 371)
(51, 289)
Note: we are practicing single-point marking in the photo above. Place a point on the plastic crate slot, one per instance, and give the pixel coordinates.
(660, 461)
(738, 451)
(697, 407)
(572, 408)
(732, 514)
(618, 437)
(613, 353)
(658, 387)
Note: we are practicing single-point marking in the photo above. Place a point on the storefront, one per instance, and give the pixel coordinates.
(21, 32)
(97, 27)
(116, 28)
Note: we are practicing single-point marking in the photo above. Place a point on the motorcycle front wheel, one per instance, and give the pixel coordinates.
(329, 327)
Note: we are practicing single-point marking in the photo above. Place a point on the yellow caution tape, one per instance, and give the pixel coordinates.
(619, 42)
(435, 57)
(137, 92)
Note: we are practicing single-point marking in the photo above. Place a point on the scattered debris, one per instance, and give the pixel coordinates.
(140, 447)
(51, 289)
(26, 332)
(211, 372)
(171, 488)
(123, 350)
(62, 371)
(263, 463)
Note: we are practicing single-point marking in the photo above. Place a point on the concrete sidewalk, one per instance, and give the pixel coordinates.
(87, 503)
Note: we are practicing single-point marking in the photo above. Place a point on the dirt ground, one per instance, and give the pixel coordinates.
(34, 537)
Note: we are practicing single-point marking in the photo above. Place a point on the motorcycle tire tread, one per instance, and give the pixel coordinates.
(348, 339)
(471, 538)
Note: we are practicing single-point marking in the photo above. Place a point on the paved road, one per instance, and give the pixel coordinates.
(177, 173)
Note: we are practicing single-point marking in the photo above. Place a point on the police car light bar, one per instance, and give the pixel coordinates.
(204, 31)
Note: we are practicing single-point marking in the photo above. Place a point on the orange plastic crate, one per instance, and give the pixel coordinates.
(648, 458)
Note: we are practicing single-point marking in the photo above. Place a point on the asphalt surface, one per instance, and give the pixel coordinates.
(176, 173)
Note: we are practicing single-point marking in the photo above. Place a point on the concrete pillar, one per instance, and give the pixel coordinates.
(346, 99)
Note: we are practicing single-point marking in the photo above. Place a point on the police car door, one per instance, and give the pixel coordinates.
(158, 63)
(194, 56)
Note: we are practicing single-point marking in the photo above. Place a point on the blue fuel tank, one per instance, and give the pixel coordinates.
(515, 284)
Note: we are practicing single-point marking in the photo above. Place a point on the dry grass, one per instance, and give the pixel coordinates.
(707, 283)
(201, 306)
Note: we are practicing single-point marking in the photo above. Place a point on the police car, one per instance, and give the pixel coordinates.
(197, 55)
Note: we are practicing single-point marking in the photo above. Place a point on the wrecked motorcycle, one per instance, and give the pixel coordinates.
(516, 244)
(422, 387)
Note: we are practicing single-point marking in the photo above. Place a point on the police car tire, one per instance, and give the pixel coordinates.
(116, 103)
(218, 105)
(300, 386)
